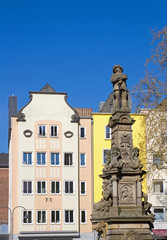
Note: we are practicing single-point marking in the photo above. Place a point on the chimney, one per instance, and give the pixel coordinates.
(12, 111)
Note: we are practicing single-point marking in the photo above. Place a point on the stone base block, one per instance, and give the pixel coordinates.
(125, 231)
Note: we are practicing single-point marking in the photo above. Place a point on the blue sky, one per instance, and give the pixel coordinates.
(72, 45)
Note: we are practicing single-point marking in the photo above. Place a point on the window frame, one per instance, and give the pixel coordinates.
(103, 156)
(41, 187)
(84, 159)
(27, 193)
(26, 164)
(41, 159)
(54, 125)
(27, 210)
(41, 216)
(85, 193)
(55, 187)
(69, 193)
(41, 135)
(52, 165)
(155, 181)
(69, 210)
(69, 165)
(107, 138)
(84, 132)
(81, 216)
(56, 210)
(158, 220)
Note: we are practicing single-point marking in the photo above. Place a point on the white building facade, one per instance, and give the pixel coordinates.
(44, 177)
(156, 140)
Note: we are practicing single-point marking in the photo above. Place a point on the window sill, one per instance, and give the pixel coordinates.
(55, 165)
(55, 223)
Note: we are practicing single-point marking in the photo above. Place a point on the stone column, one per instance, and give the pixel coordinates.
(139, 192)
(115, 192)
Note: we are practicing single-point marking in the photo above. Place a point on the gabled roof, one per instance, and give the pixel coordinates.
(47, 89)
(107, 107)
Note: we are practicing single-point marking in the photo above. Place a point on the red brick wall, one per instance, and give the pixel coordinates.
(4, 188)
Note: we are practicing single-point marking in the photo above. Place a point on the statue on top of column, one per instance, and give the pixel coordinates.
(119, 87)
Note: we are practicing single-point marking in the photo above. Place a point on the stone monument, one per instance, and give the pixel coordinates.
(121, 214)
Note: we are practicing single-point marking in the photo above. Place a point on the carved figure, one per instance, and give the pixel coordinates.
(101, 229)
(147, 206)
(135, 161)
(126, 194)
(115, 158)
(119, 87)
(108, 156)
(101, 208)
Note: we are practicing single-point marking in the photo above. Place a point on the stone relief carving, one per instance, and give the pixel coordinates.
(131, 235)
(126, 194)
(123, 158)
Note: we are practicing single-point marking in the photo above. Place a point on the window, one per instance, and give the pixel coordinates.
(27, 158)
(107, 132)
(69, 187)
(157, 159)
(41, 216)
(54, 131)
(55, 159)
(55, 216)
(82, 160)
(41, 159)
(68, 159)
(83, 217)
(55, 187)
(69, 216)
(27, 187)
(82, 132)
(104, 155)
(27, 216)
(41, 187)
(42, 131)
(83, 188)
(158, 186)
(159, 214)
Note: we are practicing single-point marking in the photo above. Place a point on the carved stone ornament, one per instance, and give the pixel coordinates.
(68, 134)
(126, 194)
(21, 117)
(131, 235)
(27, 133)
(75, 117)
(101, 229)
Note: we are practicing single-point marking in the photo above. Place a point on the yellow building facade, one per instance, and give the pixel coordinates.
(102, 143)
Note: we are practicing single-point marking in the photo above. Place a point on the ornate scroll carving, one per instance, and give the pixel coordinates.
(131, 235)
